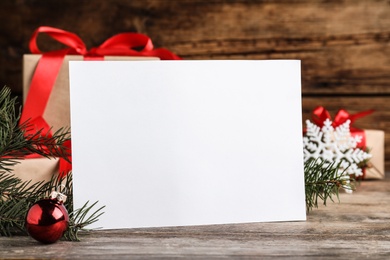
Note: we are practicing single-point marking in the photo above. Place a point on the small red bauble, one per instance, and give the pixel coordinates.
(48, 219)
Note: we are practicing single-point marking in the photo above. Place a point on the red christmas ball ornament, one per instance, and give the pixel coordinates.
(48, 219)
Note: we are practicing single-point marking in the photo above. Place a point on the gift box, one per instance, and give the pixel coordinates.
(46, 84)
(375, 142)
(36, 169)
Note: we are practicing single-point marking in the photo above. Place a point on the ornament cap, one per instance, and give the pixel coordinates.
(58, 196)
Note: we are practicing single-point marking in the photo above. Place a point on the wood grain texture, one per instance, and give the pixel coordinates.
(344, 45)
(356, 228)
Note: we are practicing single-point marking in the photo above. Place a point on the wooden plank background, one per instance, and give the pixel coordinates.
(344, 45)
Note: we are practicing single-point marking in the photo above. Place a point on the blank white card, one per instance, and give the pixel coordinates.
(172, 143)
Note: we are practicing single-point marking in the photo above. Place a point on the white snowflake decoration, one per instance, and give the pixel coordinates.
(334, 145)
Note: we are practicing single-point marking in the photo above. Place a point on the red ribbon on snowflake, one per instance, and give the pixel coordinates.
(320, 114)
(123, 44)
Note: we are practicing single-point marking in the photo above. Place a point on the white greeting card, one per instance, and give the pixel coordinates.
(171, 143)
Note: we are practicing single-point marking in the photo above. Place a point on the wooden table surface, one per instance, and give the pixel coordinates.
(356, 228)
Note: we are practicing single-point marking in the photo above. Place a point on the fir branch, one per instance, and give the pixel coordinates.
(78, 220)
(16, 141)
(17, 199)
(323, 181)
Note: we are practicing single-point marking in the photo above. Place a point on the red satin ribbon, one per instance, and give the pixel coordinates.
(320, 114)
(123, 44)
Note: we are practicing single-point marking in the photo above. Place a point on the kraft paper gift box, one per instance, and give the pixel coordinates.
(57, 112)
(375, 140)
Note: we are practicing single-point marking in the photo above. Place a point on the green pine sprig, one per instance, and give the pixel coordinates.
(79, 221)
(16, 142)
(18, 196)
(323, 182)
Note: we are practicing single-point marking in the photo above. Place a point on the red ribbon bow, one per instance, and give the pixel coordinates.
(320, 114)
(123, 44)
